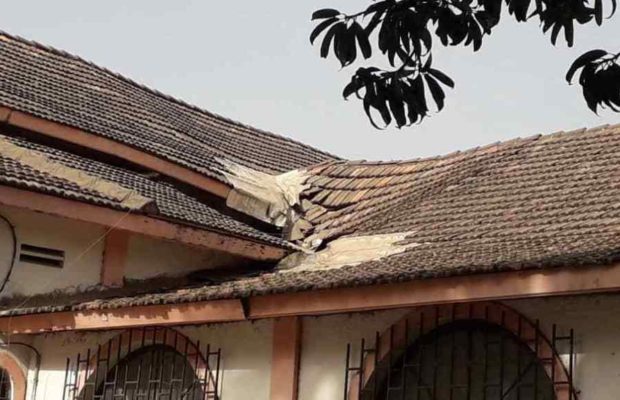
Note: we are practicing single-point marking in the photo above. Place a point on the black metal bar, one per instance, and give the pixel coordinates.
(452, 358)
(470, 354)
(519, 353)
(435, 353)
(536, 351)
(420, 359)
(485, 360)
(553, 346)
(501, 354)
(360, 382)
(64, 388)
(570, 363)
(217, 371)
(346, 371)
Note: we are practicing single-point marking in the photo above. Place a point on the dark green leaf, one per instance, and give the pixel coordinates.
(325, 13)
(436, 92)
(584, 59)
(327, 40)
(362, 40)
(598, 11)
(320, 28)
(441, 77)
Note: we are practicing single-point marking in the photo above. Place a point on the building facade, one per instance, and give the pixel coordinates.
(153, 250)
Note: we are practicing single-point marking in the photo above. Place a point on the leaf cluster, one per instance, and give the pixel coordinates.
(599, 78)
(404, 33)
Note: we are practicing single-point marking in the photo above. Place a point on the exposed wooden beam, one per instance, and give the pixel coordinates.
(114, 258)
(491, 286)
(137, 224)
(181, 314)
(95, 142)
(286, 352)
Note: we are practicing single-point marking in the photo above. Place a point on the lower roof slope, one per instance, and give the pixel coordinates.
(539, 202)
(60, 87)
(40, 168)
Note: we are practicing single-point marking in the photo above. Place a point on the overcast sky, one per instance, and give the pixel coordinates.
(251, 61)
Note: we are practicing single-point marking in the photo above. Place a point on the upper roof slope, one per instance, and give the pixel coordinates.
(63, 88)
(545, 187)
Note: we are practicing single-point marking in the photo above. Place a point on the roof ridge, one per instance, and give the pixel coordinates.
(468, 151)
(156, 92)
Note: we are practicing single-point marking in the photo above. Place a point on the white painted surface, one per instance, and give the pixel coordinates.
(247, 348)
(82, 243)
(245, 367)
(148, 258)
(324, 344)
(246, 356)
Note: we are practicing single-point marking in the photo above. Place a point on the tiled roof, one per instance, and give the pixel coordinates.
(539, 202)
(168, 202)
(60, 87)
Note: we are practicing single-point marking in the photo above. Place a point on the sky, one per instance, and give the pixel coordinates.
(252, 61)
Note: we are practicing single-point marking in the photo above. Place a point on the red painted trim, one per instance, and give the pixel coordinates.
(114, 258)
(18, 377)
(111, 147)
(136, 223)
(423, 320)
(285, 358)
(164, 315)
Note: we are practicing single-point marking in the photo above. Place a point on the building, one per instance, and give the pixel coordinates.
(153, 250)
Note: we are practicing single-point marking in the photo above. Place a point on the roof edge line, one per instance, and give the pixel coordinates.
(459, 289)
(139, 223)
(104, 145)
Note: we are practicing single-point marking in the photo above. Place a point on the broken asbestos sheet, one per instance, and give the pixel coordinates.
(38, 161)
(348, 251)
(269, 198)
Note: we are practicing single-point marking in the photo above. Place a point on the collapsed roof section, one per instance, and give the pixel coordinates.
(524, 198)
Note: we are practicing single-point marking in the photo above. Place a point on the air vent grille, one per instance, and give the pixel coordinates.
(42, 256)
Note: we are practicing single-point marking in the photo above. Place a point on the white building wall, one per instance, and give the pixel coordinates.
(83, 253)
(595, 319)
(83, 244)
(245, 368)
(148, 258)
(247, 348)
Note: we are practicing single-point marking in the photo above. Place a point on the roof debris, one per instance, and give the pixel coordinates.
(128, 198)
(349, 251)
(269, 198)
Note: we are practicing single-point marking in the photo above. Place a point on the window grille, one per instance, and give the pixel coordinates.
(145, 364)
(461, 360)
(5, 385)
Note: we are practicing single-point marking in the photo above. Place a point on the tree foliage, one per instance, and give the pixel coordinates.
(405, 31)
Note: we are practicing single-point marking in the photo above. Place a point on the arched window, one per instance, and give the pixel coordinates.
(151, 363)
(152, 372)
(5, 385)
(463, 360)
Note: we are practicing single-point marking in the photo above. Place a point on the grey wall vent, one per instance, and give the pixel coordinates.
(41, 256)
